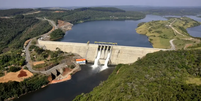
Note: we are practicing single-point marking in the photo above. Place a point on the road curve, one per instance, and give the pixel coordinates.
(172, 44)
(28, 58)
(52, 23)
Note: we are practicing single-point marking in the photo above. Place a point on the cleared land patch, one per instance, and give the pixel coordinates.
(38, 62)
(16, 76)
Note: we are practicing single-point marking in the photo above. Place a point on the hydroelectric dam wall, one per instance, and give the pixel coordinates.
(119, 54)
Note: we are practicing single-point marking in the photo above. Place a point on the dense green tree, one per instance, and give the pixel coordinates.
(57, 34)
(14, 69)
(15, 89)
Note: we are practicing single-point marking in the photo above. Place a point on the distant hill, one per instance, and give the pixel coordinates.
(12, 12)
(163, 10)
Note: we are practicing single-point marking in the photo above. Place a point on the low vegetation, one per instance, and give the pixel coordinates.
(164, 75)
(50, 58)
(160, 32)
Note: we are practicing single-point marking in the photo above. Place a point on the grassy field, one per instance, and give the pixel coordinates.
(160, 32)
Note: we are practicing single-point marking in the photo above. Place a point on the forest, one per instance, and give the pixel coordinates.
(11, 28)
(12, 12)
(161, 76)
(15, 31)
(15, 89)
(90, 14)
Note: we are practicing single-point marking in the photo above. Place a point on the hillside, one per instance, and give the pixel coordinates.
(167, 76)
(14, 32)
(160, 33)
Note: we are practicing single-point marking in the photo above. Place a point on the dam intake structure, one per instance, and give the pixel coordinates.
(103, 54)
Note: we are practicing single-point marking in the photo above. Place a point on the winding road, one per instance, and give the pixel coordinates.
(175, 29)
(171, 41)
(28, 58)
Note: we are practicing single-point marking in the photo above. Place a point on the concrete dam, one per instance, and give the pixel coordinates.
(118, 54)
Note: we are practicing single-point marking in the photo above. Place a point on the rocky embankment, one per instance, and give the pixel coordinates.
(65, 26)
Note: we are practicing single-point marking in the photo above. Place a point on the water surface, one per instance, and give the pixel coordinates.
(121, 32)
(82, 82)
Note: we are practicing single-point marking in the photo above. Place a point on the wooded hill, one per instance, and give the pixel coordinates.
(14, 32)
(90, 14)
(161, 76)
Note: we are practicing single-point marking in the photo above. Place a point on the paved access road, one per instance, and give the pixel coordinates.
(28, 58)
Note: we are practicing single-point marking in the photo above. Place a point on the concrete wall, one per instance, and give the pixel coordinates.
(120, 54)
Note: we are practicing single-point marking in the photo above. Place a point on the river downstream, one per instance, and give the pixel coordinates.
(121, 32)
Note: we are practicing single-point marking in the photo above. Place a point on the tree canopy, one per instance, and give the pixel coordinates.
(57, 34)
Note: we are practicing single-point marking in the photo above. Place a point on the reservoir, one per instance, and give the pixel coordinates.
(122, 32)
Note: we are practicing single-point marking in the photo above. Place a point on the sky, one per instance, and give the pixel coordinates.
(70, 3)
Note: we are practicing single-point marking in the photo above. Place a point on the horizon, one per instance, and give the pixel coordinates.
(100, 6)
(9, 4)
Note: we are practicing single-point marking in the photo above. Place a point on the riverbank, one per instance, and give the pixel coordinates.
(67, 77)
(160, 33)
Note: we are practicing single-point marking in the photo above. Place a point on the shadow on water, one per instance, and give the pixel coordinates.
(82, 82)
